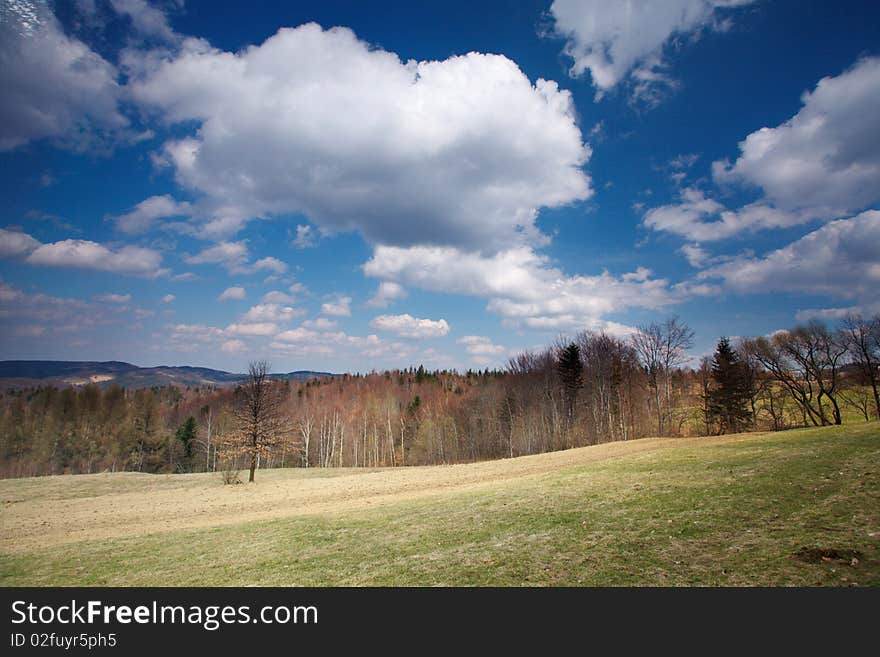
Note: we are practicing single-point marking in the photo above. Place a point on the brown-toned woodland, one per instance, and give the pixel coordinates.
(589, 389)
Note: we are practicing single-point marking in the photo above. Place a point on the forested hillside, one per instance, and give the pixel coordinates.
(62, 373)
(593, 388)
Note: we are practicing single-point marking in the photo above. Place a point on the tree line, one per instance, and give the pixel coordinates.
(589, 388)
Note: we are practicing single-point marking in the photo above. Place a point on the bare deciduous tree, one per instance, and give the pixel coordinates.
(821, 353)
(661, 348)
(258, 414)
(648, 343)
(807, 361)
(863, 340)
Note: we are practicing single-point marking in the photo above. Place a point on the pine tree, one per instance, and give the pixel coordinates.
(730, 394)
(571, 373)
(186, 434)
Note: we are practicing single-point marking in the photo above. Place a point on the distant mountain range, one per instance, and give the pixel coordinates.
(25, 373)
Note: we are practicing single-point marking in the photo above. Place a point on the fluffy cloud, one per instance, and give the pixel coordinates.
(189, 337)
(841, 259)
(826, 158)
(481, 348)
(826, 314)
(616, 39)
(297, 335)
(407, 326)
(271, 312)
(705, 220)
(229, 254)
(252, 328)
(196, 331)
(265, 264)
(146, 213)
(276, 296)
(146, 19)
(822, 163)
(234, 292)
(695, 255)
(479, 344)
(459, 152)
(233, 256)
(339, 306)
(387, 293)
(306, 342)
(168, 298)
(321, 324)
(522, 286)
(53, 85)
(305, 237)
(232, 346)
(15, 244)
(83, 254)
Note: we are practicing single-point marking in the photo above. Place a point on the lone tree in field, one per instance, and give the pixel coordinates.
(259, 419)
(731, 391)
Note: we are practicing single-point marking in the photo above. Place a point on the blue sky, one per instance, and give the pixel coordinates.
(446, 183)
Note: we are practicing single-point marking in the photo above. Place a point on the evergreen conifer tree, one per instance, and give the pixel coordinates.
(571, 373)
(186, 434)
(730, 392)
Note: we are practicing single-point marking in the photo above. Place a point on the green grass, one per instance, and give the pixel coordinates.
(728, 514)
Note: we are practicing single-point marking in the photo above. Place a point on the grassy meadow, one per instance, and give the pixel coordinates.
(799, 507)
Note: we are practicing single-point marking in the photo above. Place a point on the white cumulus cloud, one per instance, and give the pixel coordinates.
(463, 151)
(146, 18)
(252, 328)
(523, 287)
(481, 348)
(271, 312)
(54, 86)
(232, 346)
(229, 254)
(233, 256)
(234, 292)
(613, 40)
(14, 244)
(340, 306)
(387, 293)
(146, 213)
(305, 237)
(822, 163)
(321, 324)
(84, 254)
(824, 159)
(407, 326)
(840, 259)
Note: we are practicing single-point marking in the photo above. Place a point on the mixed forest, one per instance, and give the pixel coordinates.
(581, 390)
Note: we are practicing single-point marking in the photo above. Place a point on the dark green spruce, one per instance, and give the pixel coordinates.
(730, 390)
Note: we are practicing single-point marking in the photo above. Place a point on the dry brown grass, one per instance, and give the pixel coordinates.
(48, 511)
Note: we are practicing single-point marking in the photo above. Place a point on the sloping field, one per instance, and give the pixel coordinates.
(792, 508)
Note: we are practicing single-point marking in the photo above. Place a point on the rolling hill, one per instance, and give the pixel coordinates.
(798, 507)
(27, 373)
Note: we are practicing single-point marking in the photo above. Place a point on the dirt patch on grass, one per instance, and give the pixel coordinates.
(65, 509)
(824, 555)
